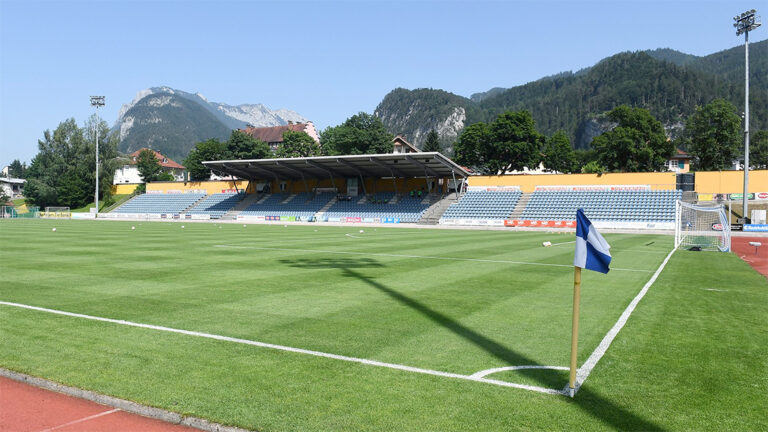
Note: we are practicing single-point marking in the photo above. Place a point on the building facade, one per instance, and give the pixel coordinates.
(129, 171)
(273, 135)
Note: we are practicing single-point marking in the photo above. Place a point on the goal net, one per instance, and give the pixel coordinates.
(704, 227)
(57, 212)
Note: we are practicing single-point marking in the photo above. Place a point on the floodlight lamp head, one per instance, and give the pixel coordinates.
(97, 101)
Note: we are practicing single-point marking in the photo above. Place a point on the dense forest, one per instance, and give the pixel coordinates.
(668, 83)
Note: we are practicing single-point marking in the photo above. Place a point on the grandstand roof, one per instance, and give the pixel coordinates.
(432, 164)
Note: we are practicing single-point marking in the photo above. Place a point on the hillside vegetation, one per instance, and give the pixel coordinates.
(668, 83)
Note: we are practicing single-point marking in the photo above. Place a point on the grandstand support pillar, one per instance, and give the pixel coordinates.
(394, 183)
(306, 186)
(362, 183)
(455, 189)
(234, 183)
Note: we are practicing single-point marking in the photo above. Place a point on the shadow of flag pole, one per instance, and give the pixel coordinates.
(575, 331)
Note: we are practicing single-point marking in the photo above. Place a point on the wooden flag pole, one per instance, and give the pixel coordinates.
(575, 333)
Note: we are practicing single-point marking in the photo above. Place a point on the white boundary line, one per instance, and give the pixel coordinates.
(413, 256)
(84, 419)
(581, 376)
(597, 354)
(293, 350)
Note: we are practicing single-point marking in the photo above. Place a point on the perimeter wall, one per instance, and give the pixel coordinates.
(528, 182)
(715, 182)
(726, 182)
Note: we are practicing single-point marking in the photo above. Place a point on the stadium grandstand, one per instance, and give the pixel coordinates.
(425, 188)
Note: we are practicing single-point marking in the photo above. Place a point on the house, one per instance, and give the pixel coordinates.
(13, 187)
(403, 146)
(680, 163)
(273, 135)
(129, 171)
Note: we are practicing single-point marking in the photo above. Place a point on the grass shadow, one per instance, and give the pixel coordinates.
(589, 401)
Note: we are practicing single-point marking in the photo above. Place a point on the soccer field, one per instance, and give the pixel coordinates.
(330, 328)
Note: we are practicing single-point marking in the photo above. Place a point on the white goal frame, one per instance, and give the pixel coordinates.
(705, 227)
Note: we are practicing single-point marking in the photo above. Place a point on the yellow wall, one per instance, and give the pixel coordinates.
(124, 188)
(210, 187)
(706, 182)
(528, 183)
(730, 181)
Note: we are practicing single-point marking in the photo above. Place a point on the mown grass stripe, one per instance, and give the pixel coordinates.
(414, 256)
(290, 349)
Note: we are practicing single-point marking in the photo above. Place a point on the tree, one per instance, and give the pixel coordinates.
(16, 169)
(209, 150)
(63, 171)
(713, 135)
(592, 167)
(360, 134)
(148, 165)
(432, 143)
(241, 145)
(471, 149)
(637, 144)
(758, 150)
(298, 144)
(511, 142)
(558, 154)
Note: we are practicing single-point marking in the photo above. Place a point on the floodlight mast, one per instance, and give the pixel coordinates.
(97, 101)
(744, 23)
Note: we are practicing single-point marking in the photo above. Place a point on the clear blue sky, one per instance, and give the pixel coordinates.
(325, 60)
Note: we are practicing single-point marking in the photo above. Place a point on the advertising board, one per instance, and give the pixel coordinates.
(756, 227)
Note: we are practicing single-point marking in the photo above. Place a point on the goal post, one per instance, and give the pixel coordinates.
(704, 227)
(57, 212)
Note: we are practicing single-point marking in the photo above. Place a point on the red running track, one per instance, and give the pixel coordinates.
(25, 408)
(757, 259)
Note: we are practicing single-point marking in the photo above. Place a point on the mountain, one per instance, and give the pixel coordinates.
(669, 83)
(414, 112)
(172, 121)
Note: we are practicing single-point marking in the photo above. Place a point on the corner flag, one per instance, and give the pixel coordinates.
(592, 251)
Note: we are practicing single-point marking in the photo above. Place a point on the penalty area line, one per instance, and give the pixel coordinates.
(367, 362)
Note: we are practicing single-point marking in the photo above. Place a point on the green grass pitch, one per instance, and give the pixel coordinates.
(693, 356)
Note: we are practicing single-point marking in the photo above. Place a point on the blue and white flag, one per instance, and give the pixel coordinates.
(592, 251)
